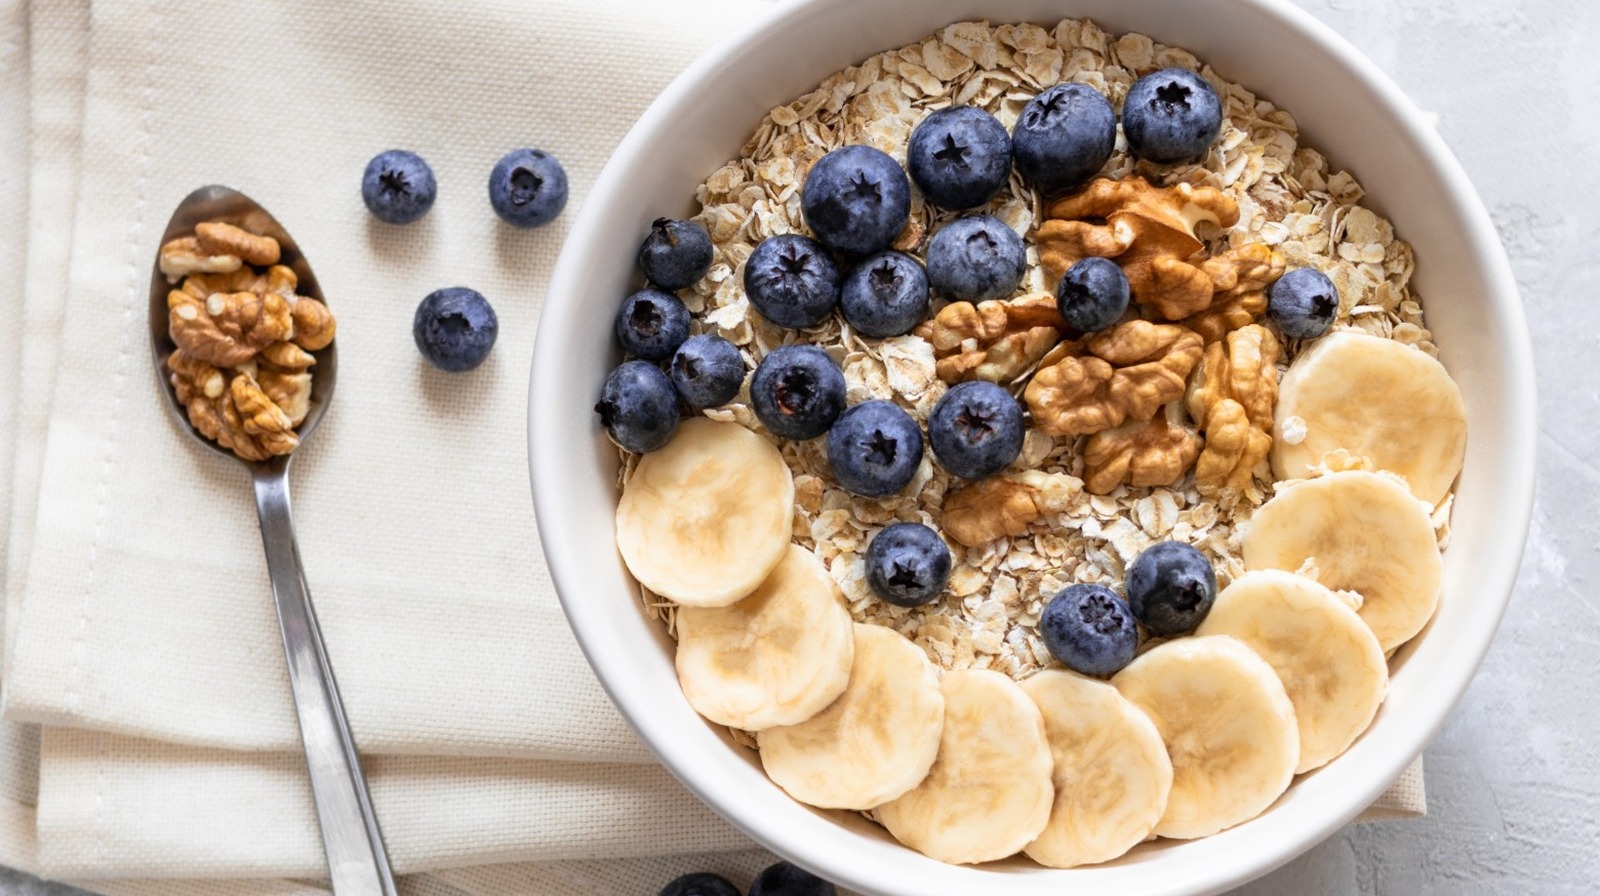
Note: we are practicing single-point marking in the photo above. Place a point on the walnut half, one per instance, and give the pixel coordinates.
(1140, 454)
(1128, 373)
(1006, 505)
(1231, 400)
(997, 341)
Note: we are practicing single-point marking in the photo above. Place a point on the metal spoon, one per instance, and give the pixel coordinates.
(357, 862)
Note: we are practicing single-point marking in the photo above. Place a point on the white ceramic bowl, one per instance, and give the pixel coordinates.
(1345, 107)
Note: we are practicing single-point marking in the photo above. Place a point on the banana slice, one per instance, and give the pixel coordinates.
(989, 792)
(1328, 660)
(1228, 725)
(778, 657)
(704, 519)
(1362, 532)
(875, 742)
(1375, 398)
(1112, 774)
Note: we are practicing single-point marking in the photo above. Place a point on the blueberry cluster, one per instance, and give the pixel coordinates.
(640, 403)
(780, 879)
(1090, 629)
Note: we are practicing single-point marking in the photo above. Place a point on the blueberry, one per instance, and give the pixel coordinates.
(638, 406)
(874, 448)
(797, 391)
(885, 295)
(1063, 137)
(784, 879)
(455, 328)
(1089, 629)
(1303, 303)
(700, 883)
(651, 324)
(856, 199)
(528, 187)
(676, 253)
(1171, 116)
(908, 564)
(791, 280)
(960, 156)
(398, 187)
(1171, 587)
(707, 371)
(1092, 294)
(976, 429)
(975, 258)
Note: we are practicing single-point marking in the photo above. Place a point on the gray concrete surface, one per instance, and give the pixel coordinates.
(1514, 779)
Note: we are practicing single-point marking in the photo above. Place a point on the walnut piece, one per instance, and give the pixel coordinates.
(997, 340)
(1242, 276)
(184, 256)
(255, 427)
(1149, 231)
(1006, 505)
(1140, 454)
(219, 238)
(227, 329)
(313, 324)
(1130, 371)
(1231, 400)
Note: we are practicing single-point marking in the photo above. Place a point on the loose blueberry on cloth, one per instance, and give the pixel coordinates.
(676, 253)
(797, 391)
(398, 187)
(976, 429)
(1089, 629)
(1171, 587)
(784, 879)
(856, 199)
(1063, 136)
(455, 328)
(638, 406)
(1171, 116)
(976, 258)
(874, 448)
(959, 156)
(907, 564)
(885, 295)
(699, 883)
(528, 188)
(792, 280)
(651, 324)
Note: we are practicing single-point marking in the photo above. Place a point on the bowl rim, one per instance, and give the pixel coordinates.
(547, 461)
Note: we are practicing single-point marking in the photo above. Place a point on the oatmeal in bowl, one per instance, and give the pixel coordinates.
(1136, 437)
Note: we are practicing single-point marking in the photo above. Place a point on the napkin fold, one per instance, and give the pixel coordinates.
(139, 623)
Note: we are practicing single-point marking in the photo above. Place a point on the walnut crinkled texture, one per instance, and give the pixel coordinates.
(998, 340)
(1006, 505)
(1140, 454)
(1125, 373)
(242, 368)
(1231, 400)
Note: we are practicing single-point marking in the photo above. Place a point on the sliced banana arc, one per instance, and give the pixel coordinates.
(1228, 726)
(778, 657)
(1362, 532)
(875, 742)
(1112, 774)
(989, 793)
(1378, 399)
(705, 519)
(1330, 663)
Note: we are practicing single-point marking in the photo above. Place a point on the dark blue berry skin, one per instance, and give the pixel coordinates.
(1303, 303)
(797, 391)
(976, 429)
(1089, 629)
(1092, 294)
(638, 406)
(700, 883)
(885, 295)
(455, 328)
(784, 879)
(959, 156)
(792, 280)
(398, 187)
(1171, 587)
(976, 258)
(528, 188)
(1171, 116)
(856, 199)
(651, 324)
(707, 371)
(874, 448)
(1063, 137)
(908, 564)
(676, 253)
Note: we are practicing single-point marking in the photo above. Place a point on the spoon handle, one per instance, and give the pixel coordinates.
(357, 862)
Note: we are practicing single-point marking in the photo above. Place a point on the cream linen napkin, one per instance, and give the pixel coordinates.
(106, 806)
